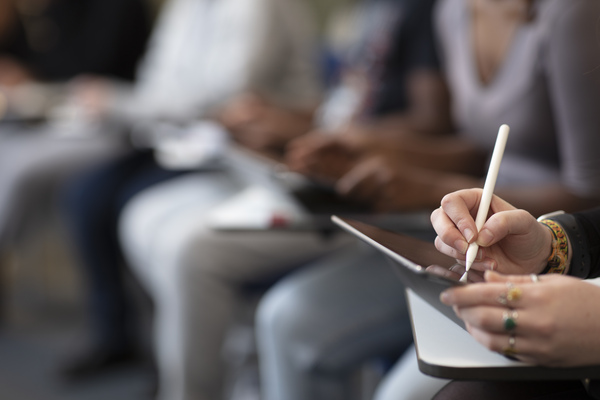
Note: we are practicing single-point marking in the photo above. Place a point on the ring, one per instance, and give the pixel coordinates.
(534, 278)
(514, 293)
(510, 350)
(510, 319)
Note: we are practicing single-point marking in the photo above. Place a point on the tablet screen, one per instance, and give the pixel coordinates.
(418, 264)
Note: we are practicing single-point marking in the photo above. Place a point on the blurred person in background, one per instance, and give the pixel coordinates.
(529, 64)
(51, 41)
(45, 45)
(197, 272)
(204, 57)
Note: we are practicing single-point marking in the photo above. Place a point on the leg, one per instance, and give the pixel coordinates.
(33, 165)
(406, 382)
(319, 324)
(194, 274)
(93, 203)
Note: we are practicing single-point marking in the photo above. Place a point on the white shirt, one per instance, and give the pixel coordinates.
(204, 52)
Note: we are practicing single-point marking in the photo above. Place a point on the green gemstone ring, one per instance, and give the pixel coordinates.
(510, 320)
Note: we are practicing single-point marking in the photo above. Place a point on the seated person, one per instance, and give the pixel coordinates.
(555, 324)
(203, 55)
(310, 311)
(49, 42)
(44, 46)
(196, 272)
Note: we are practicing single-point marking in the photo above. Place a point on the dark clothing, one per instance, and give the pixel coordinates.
(71, 37)
(94, 202)
(583, 229)
(536, 390)
(412, 48)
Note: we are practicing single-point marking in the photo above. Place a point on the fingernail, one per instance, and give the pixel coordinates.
(445, 297)
(489, 265)
(461, 246)
(469, 235)
(485, 237)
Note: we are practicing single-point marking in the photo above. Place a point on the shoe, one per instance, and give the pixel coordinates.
(97, 361)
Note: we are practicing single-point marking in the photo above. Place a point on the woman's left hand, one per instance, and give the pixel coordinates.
(557, 319)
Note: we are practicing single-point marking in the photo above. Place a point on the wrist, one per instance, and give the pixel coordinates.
(558, 260)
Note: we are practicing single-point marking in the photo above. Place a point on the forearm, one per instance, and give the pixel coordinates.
(540, 200)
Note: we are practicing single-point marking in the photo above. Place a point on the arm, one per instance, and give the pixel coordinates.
(572, 60)
(512, 241)
(557, 318)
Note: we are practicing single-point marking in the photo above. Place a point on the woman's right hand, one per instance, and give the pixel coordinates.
(511, 241)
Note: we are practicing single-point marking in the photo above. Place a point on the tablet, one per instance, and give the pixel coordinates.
(410, 258)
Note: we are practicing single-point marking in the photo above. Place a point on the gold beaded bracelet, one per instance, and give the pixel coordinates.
(559, 258)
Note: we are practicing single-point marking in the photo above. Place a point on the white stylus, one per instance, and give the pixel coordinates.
(488, 191)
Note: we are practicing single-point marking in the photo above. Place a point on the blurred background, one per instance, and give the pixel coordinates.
(44, 317)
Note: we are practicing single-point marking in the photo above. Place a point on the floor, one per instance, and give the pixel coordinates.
(44, 323)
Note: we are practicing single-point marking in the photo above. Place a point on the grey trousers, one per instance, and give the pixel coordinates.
(33, 165)
(196, 274)
(316, 325)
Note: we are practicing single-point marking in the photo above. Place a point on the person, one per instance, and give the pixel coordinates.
(44, 47)
(198, 273)
(206, 59)
(553, 261)
(512, 62)
(48, 41)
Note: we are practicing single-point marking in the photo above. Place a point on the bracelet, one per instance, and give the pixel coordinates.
(558, 260)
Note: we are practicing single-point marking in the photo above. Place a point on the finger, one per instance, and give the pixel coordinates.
(454, 272)
(448, 232)
(485, 294)
(502, 224)
(448, 250)
(492, 319)
(358, 183)
(460, 207)
(495, 277)
(501, 342)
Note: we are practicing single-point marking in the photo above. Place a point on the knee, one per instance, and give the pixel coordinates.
(132, 224)
(284, 320)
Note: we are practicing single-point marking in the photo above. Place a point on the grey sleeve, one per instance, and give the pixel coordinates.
(285, 61)
(573, 59)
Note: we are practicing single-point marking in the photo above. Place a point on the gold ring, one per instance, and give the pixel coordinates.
(514, 293)
(510, 350)
(510, 319)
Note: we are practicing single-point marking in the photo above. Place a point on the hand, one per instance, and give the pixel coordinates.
(92, 94)
(557, 321)
(13, 73)
(511, 240)
(322, 156)
(388, 184)
(259, 125)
